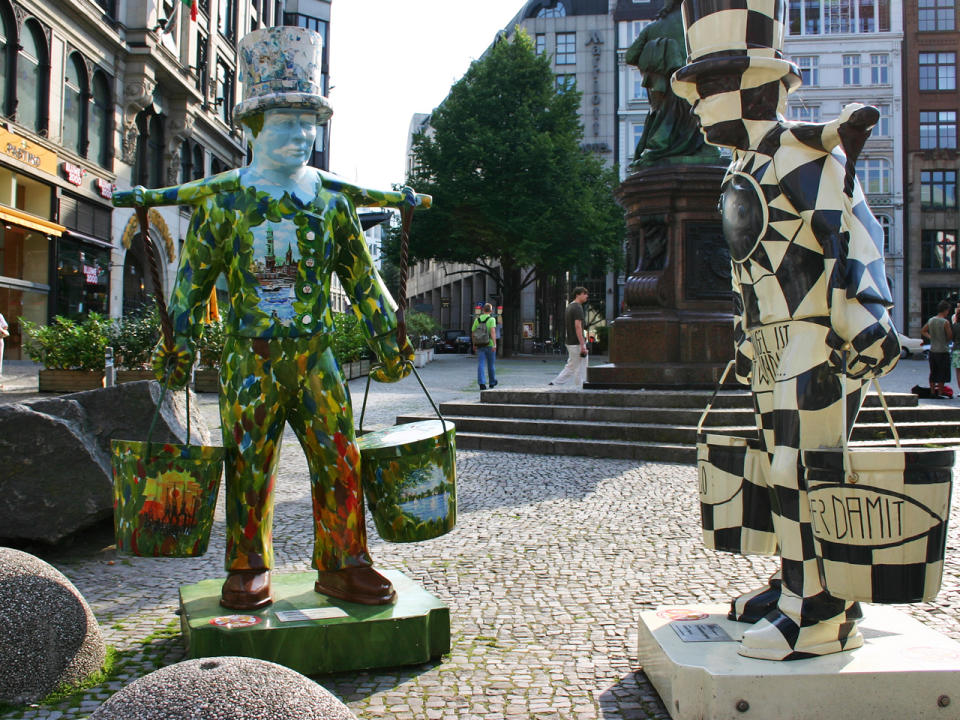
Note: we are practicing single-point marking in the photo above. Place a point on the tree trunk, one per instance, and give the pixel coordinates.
(511, 308)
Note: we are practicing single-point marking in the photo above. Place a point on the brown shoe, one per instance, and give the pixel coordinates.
(362, 585)
(246, 590)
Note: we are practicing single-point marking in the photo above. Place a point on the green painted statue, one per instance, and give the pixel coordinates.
(278, 230)
(671, 133)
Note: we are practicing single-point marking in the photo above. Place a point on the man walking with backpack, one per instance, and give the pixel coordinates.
(483, 335)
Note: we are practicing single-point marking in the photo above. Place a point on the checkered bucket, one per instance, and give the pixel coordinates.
(879, 517)
(734, 499)
(880, 521)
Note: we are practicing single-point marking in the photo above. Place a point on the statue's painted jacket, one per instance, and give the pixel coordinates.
(278, 257)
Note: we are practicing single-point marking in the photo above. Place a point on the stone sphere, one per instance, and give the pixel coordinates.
(223, 688)
(48, 635)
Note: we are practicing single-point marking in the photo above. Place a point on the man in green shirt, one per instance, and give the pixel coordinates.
(483, 335)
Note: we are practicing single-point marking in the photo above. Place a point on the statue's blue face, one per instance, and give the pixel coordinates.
(286, 139)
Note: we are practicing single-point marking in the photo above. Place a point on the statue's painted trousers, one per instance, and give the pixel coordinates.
(798, 396)
(265, 384)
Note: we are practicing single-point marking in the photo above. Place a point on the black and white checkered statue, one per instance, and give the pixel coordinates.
(810, 286)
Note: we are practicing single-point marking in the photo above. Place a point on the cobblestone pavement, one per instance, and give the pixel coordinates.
(550, 564)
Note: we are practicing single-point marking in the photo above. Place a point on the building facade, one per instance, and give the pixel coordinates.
(851, 51)
(99, 95)
(931, 44)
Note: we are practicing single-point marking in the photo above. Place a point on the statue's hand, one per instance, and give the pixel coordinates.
(396, 361)
(871, 351)
(175, 361)
(129, 198)
(409, 196)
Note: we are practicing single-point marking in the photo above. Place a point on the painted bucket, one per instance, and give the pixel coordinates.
(409, 475)
(734, 499)
(164, 497)
(880, 526)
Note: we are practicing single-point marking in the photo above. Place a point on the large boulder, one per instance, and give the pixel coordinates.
(223, 688)
(56, 477)
(48, 636)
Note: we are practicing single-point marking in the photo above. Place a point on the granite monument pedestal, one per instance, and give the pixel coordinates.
(676, 329)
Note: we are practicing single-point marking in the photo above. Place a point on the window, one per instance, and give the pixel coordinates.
(938, 250)
(938, 189)
(228, 19)
(938, 129)
(930, 298)
(851, 69)
(203, 83)
(74, 105)
(838, 16)
(224, 92)
(541, 43)
(636, 132)
(154, 154)
(100, 145)
(254, 15)
(809, 69)
(566, 49)
(31, 82)
(882, 128)
(635, 89)
(556, 11)
(829, 17)
(197, 164)
(874, 175)
(879, 69)
(107, 6)
(204, 7)
(805, 113)
(566, 82)
(934, 15)
(186, 160)
(886, 225)
(8, 50)
(938, 71)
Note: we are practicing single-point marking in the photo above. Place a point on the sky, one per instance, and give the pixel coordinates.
(390, 59)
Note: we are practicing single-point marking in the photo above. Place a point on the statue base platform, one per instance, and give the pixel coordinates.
(314, 634)
(904, 670)
(624, 376)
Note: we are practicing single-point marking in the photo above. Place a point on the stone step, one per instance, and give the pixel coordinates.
(670, 416)
(545, 445)
(689, 399)
(660, 432)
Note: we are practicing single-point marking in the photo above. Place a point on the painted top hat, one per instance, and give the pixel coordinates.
(738, 37)
(280, 67)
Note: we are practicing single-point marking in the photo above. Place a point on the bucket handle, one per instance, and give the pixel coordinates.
(366, 392)
(848, 472)
(156, 413)
(713, 397)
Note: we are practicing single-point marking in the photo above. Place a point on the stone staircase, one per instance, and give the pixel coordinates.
(657, 425)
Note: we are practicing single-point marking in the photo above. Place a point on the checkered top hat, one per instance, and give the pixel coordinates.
(742, 37)
(280, 68)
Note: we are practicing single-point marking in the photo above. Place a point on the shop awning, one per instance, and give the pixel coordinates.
(18, 217)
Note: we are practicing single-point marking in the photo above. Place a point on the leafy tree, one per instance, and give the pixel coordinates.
(513, 191)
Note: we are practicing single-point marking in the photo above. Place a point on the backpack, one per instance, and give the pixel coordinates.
(480, 335)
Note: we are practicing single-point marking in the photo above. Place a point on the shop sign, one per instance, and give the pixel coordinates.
(105, 188)
(74, 173)
(92, 274)
(28, 153)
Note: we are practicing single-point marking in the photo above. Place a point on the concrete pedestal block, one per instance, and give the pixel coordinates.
(904, 670)
(314, 634)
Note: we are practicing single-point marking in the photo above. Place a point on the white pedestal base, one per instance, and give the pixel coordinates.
(904, 670)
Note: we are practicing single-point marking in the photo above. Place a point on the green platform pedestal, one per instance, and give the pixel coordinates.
(314, 634)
